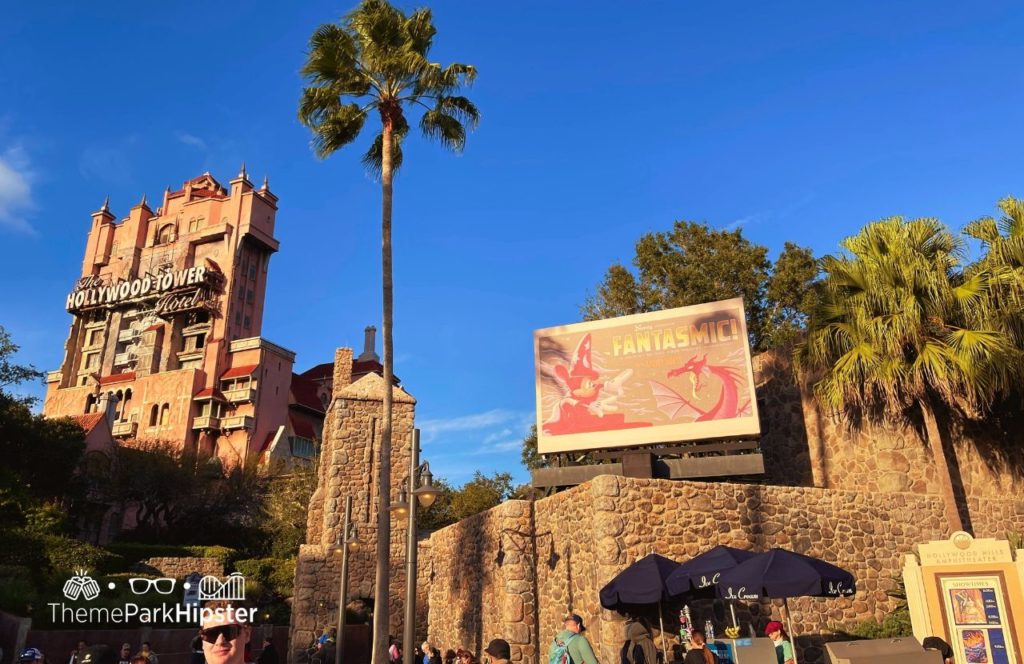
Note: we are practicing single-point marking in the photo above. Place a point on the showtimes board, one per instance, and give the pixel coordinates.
(680, 374)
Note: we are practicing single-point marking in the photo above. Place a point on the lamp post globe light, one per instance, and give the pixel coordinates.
(347, 542)
(424, 496)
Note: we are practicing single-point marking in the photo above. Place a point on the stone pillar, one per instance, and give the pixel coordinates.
(349, 463)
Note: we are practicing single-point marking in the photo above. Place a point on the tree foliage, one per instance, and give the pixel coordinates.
(902, 326)
(481, 493)
(791, 294)
(899, 322)
(376, 60)
(184, 498)
(477, 495)
(531, 458)
(1002, 266)
(693, 263)
(12, 373)
(287, 508)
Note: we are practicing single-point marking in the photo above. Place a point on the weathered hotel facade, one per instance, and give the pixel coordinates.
(165, 337)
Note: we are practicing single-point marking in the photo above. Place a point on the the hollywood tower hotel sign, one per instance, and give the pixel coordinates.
(166, 318)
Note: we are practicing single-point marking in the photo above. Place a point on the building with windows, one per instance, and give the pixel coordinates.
(165, 338)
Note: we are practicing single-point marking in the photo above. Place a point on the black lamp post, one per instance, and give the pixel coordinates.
(424, 495)
(348, 542)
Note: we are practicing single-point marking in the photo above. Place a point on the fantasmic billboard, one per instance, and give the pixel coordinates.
(677, 375)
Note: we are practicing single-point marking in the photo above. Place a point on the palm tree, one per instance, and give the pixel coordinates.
(375, 60)
(899, 326)
(1003, 262)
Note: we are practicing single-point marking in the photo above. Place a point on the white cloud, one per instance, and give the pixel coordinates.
(745, 221)
(191, 140)
(15, 190)
(431, 429)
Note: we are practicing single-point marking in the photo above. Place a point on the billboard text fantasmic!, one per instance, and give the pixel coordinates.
(677, 375)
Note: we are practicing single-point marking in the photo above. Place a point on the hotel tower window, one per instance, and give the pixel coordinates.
(167, 234)
(90, 361)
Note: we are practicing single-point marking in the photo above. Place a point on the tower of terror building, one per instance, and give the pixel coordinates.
(165, 337)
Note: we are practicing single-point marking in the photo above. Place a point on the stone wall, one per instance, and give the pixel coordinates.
(350, 458)
(583, 537)
(179, 568)
(803, 445)
(482, 584)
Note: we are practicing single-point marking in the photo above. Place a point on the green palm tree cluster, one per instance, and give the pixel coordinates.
(1002, 264)
(903, 323)
(375, 61)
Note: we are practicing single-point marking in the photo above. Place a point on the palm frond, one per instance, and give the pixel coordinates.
(460, 108)
(1012, 223)
(420, 28)
(335, 130)
(444, 128)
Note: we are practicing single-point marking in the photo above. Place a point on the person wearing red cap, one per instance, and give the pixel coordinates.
(783, 648)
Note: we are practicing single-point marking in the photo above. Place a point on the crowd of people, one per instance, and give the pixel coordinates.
(570, 647)
(223, 642)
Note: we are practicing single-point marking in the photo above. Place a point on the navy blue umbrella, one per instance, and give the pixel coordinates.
(643, 582)
(699, 575)
(779, 573)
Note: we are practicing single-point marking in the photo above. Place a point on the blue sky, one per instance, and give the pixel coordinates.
(601, 121)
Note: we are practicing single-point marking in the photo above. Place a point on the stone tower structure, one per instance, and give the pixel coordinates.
(349, 466)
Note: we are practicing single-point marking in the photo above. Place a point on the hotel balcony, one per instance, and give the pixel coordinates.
(237, 422)
(128, 335)
(124, 429)
(206, 422)
(121, 359)
(241, 395)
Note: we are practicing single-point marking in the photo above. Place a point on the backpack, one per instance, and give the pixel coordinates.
(559, 652)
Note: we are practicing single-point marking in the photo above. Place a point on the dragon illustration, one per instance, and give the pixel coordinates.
(673, 404)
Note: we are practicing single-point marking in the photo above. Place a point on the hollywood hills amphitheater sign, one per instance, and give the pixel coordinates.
(676, 375)
(171, 292)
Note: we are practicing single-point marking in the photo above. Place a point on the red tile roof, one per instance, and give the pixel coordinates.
(324, 370)
(210, 393)
(118, 378)
(304, 393)
(238, 372)
(89, 421)
(359, 368)
(302, 428)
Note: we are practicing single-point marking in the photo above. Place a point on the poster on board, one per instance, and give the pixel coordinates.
(676, 375)
(975, 608)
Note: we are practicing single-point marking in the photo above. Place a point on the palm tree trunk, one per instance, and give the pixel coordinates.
(942, 471)
(381, 601)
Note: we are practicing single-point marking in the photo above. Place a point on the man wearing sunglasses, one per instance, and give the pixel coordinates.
(224, 638)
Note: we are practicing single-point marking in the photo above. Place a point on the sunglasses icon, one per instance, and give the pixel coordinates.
(141, 585)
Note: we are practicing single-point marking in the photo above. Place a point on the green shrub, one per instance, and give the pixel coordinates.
(896, 624)
(64, 554)
(133, 552)
(46, 519)
(226, 556)
(18, 547)
(271, 576)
